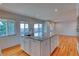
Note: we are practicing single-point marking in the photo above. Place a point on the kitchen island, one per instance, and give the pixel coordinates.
(38, 46)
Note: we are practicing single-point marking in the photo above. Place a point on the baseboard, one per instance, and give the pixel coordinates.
(67, 35)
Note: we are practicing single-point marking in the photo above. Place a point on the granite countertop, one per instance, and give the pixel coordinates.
(39, 38)
(36, 38)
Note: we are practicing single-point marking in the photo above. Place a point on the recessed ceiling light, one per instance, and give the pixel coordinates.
(56, 10)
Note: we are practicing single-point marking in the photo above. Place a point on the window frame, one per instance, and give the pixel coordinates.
(8, 27)
(22, 22)
(7, 31)
(39, 31)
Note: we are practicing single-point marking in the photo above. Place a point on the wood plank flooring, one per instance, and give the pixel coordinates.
(67, 46)
(14, 51)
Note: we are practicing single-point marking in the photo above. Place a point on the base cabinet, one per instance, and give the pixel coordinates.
(38, 48)
(31, 46)
(35, 47)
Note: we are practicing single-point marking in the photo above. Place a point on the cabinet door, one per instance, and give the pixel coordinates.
(45, 47)
(26, 45)
(54, 43)
(35, 47)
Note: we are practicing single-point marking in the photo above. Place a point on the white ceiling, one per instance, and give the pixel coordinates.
(41, 11)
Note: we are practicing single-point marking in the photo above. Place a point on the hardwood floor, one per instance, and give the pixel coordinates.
(14, 51)
(67, 46)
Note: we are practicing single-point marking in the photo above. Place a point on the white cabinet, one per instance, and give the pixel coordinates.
(45, 47)
(35, 47)
(31, 46)
(54, 43)
(25, 45)
(39, 48)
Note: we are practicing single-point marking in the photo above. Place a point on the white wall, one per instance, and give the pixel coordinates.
(67, 23)
(67, 28)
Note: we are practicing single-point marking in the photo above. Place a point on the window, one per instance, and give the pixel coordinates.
(51, 28)
(3, 28)
(10, 27)
(24, 29)
(38, 30)
(6, 27)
